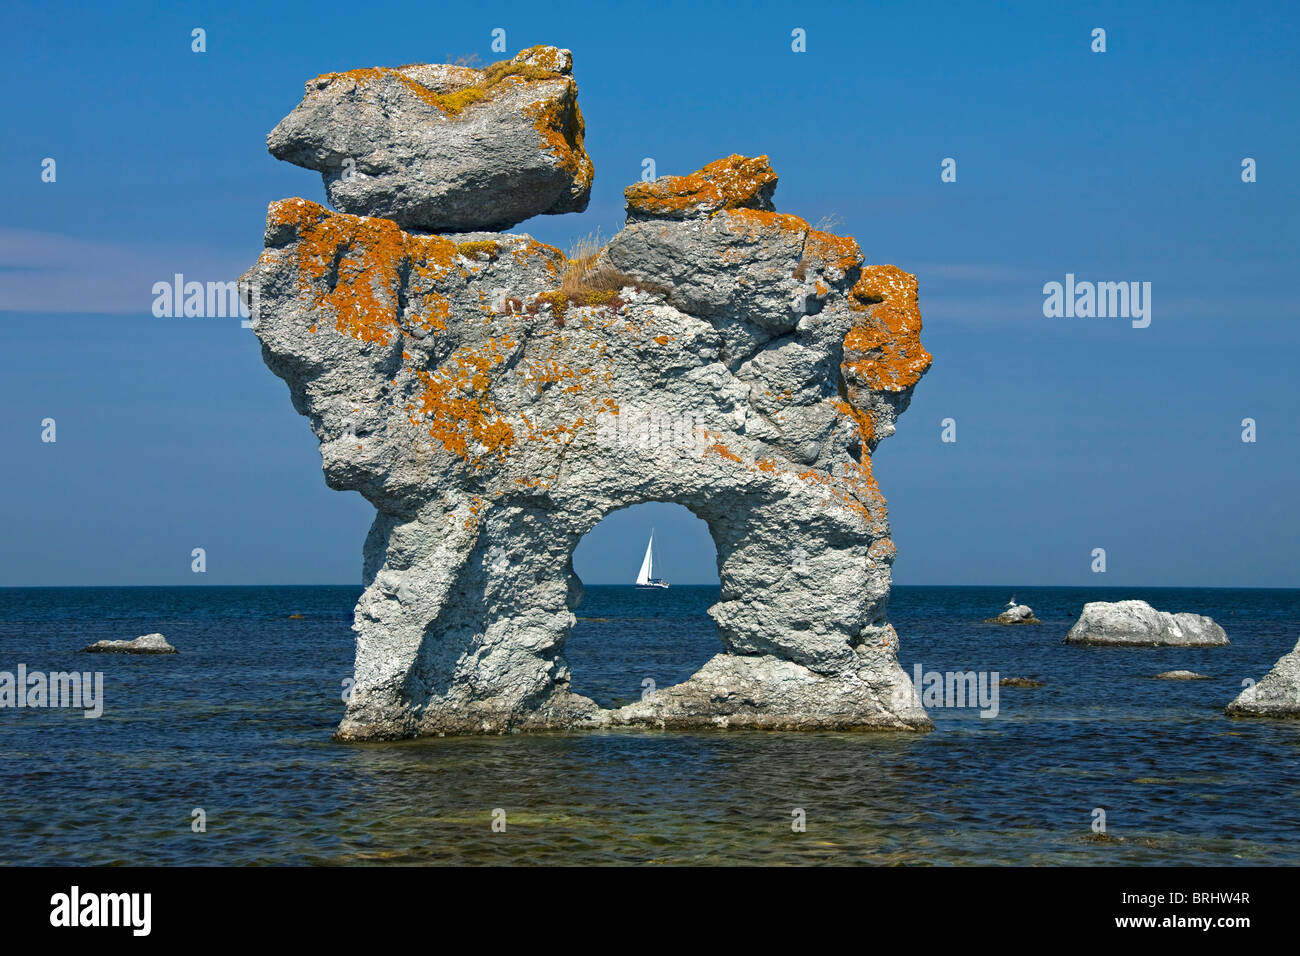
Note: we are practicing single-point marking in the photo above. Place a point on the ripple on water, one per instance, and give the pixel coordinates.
(239, 724)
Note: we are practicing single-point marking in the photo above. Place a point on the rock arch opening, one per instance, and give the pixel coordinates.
(629, 640)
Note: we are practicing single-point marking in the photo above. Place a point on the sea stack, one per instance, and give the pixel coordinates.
(1277, 695)
(1138, 624)
(494, 400)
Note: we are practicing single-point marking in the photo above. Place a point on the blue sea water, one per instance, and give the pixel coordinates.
(238, 725)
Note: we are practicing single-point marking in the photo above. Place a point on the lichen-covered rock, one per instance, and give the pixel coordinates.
(1277, 695)
(146, 644)
(494, 401)
(1138, 624)
(439, 148)
(736, 182)
(1015, 614)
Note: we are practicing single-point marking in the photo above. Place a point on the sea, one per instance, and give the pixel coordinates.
(222, 754)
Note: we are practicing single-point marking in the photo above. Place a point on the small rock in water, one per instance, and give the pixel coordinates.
(1138, 624)
(1015, 614)
(147, 644)
(1181, 675)
(1277, 695)
(1019, 682)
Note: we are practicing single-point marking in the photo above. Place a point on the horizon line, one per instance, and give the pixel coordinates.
(692, 584)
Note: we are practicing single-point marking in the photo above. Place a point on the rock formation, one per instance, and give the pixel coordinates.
(146, 644)
(1138, 624)
(436, 147)
(1180, 675)
(1277, 695)
(1015, 614)
(494, 400)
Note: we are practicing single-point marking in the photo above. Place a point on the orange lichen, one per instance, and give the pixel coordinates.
(836, 254)
(487, 249)
(730, 183)
(455, 408)
(475, 85)
(361, 261)
(866, 426)
(553, 257)
(544, 57)
(722, 451)
(561, 127)
(754, 223)
(883, 349)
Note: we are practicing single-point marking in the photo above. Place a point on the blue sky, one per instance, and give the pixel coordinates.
(1072, 434)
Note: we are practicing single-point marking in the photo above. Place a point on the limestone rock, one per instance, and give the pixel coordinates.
(1277, 695)
(1138, 624)
(1180, 675)
(736, 182)
(438, 148)
(147, 644)
(494, 401)
(1015, 614)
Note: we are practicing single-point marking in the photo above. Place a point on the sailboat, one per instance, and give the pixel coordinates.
(647, 579)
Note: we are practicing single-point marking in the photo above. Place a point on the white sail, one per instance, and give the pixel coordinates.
(647, 566)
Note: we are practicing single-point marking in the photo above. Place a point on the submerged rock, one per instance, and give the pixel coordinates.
(147, 644)
(1015, 614)
(494, 400)
(439, 148)
(1138, 624)
(1277, 695)
(1180, 675)
(1019, 682)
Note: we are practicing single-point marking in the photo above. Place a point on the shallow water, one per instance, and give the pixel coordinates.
(239, 724)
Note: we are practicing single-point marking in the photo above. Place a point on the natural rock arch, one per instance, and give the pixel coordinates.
(495, 400)
(609, 661)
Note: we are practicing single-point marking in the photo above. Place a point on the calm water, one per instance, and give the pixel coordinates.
(239, 724)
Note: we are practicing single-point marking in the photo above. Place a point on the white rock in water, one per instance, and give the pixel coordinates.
(1138, 624)
(147, 644)
(1180, 675)
(1016, 614)
(1277, 695)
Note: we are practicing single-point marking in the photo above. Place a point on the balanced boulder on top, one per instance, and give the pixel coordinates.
(442, 148)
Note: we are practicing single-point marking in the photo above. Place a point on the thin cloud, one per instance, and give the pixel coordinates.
(51, 273)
